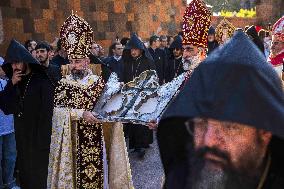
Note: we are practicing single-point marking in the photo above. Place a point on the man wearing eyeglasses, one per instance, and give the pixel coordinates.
(227, 123)
(196, 23)
(276, 56)
(195, 34)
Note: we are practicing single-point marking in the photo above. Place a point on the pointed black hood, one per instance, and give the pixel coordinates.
(136, 43)
(235, 83)
(16, 52)
(177, 43)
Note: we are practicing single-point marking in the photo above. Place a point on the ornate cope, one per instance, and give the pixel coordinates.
(76, 155)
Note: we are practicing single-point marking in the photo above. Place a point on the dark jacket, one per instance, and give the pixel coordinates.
(211, 46)
(54, 73)
(234, 84)
(161, 62)
(112, 65)
(31, 102)
(59, 61)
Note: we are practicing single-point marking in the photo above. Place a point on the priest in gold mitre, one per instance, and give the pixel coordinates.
(78, 157)
(195, 28)
(196, 23)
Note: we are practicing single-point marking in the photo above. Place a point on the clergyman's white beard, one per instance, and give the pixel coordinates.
(78, 75)
(190, 63)
(210, 179)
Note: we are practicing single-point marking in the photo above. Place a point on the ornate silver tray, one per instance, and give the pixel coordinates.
(138, 101)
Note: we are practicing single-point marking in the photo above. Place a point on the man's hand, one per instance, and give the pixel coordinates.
(152, 124)
(17, 77)
(89, 117)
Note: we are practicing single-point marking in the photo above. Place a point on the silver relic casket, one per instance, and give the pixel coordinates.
(138, 101)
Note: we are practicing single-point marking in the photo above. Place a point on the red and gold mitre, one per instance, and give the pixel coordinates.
(224, 31)
(76, 35)
(196, 23)
(278, 30)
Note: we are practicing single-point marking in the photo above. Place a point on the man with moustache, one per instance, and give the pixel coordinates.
(227, 123)
(29, 96)
(196, 22)
(175, 66)
(76, 133)
(195, 34)
(43, 52)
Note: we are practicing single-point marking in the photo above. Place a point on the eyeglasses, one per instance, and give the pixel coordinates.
(188, 49)
(276, 42)
(201, 126)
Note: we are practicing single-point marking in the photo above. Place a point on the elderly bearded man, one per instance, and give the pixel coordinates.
(76, 135)
(227, 124)
(195, 33)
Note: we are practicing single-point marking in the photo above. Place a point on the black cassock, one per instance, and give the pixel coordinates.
(160, 59)
(174, 69)
(139, 135)
(31, 102)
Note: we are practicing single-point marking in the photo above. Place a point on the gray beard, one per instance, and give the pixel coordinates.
(78, 74)
(202, 177)
(210, 179)
(190, 63)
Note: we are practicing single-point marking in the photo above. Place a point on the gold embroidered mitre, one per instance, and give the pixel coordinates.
(196, 22)
(76, 35)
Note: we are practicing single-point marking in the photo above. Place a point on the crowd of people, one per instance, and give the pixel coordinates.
(223, 130)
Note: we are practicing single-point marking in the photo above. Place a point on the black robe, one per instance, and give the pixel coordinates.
(234, 84)
(139, 135)
(33, 123)
(211, 46)
(54, 73)
(161, 61)
(174, 68)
